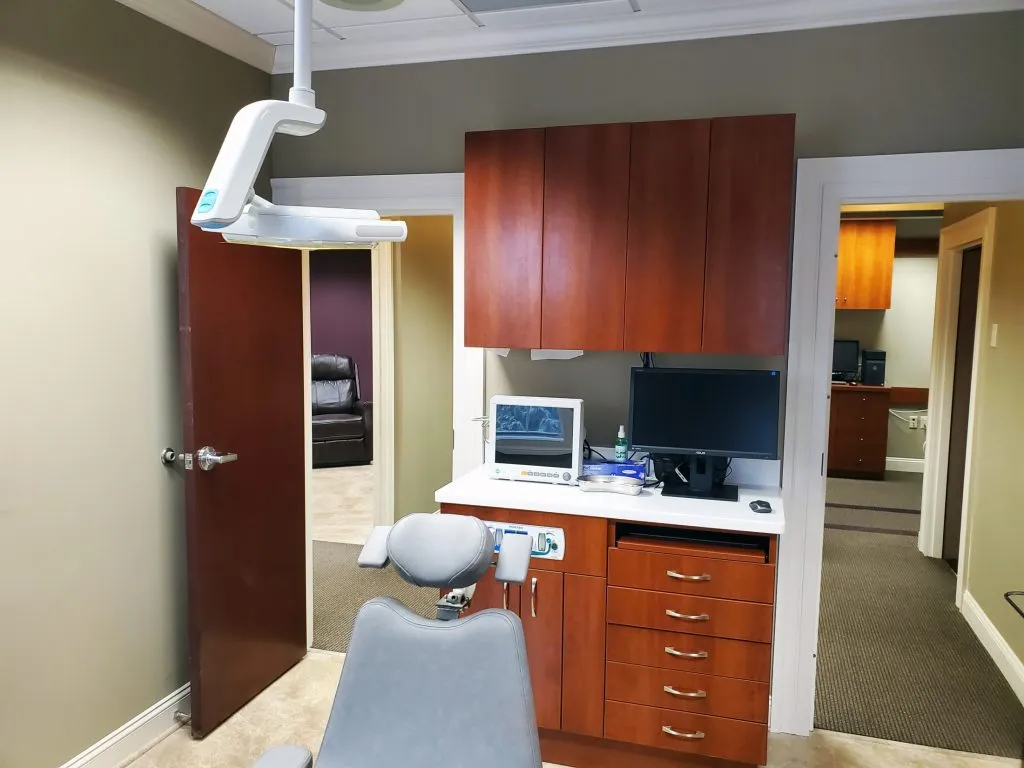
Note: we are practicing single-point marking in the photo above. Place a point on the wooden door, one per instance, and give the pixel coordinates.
(583, 654)
(586, 189)
(750, 211)
(540, 609)
(666, 236)
(865, 260)
(960, 410)
(240, 333)
(504, 198)
(491, 593)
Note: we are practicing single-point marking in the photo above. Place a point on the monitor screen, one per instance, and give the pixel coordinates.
(535, 435)
(715, 412)
(845, 356)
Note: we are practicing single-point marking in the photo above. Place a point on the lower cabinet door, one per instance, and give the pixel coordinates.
(492, 594)
(540, 608)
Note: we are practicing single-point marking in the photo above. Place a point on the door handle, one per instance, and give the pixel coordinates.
(533, 597)
(685, 654)
(685, 694)
(504, 596)
(684, 577)
(668, 729)
(686, 616)
(209, 458)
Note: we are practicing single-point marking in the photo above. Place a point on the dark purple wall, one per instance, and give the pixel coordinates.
(340, 314)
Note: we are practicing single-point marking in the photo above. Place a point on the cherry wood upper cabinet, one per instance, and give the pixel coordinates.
(667, 235)
(866, 253)
(504, 199)
(586, 189)
(750, 204)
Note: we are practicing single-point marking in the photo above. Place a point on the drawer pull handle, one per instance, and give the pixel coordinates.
(686, 616)
(684, 577)
(669, 730)
(685, 694)
(685, 654)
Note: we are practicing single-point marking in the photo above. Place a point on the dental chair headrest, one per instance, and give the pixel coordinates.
(443, 551)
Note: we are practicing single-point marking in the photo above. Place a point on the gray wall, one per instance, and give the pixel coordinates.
(104, 112)
(911, 86)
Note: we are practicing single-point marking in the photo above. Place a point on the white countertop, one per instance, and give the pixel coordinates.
(478, 489)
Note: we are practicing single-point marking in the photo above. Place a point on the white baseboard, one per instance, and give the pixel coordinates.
(134, 736)
(904, 465)
(1009, 664)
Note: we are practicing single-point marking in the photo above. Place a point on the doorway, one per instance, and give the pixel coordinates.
(406, 294)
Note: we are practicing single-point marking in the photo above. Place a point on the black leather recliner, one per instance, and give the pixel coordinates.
(342, 423)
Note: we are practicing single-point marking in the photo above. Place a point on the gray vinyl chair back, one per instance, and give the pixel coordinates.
(417, 693)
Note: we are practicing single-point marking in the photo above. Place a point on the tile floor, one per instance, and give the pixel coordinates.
(295, 708)
(343, 500)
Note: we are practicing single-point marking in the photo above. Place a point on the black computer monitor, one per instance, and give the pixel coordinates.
(845, 359)
(705, 416)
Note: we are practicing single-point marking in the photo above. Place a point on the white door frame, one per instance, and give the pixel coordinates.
(954, 239)
(823, 185)
(408, 195)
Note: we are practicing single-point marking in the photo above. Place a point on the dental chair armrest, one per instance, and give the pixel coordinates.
(285, 757)
(514, 558)
(375, 550)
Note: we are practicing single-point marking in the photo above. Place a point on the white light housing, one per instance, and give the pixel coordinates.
(287, 226)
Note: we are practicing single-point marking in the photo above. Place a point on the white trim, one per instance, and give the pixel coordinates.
(822, 186)
(382, 267)
(193, 20)
(307, 433)
(1008, 662)
(698, 21)
(139, 733)
(894, 464)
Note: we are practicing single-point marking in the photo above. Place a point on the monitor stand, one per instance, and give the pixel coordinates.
(702, 483)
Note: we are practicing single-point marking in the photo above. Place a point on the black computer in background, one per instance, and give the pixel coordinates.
(845, 359)
(696, 420)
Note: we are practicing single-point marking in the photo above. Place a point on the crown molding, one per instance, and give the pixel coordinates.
(726, 19)
(207, 27)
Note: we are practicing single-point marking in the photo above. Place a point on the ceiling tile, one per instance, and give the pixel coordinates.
(407, 11)
(555, 14)
(408, 30)
(256, 16)
(487, 6)
(286, 38)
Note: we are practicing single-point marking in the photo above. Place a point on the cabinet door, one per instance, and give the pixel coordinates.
(491, 593)
(750, 211)
(540, 609)
(586, 189)
(667, 235)
(504, 193)
(866, 254)
(583, 656)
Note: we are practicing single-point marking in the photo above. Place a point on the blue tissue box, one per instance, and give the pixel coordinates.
(619, 469)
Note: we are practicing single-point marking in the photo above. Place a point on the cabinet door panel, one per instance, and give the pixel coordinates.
(750, 210)
(583, 655)
(504, 199)
(491, 593)
(866, 253)
(540, 608)
(586, 189)
(667, 235)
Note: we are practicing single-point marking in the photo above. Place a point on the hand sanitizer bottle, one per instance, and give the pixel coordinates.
(620, 444)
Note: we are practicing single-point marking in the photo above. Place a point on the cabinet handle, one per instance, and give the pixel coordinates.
(685, 694)
(533, 597)
(504, 596)
(684, 577)
(669, 730)
(686, 616)
(685, 654)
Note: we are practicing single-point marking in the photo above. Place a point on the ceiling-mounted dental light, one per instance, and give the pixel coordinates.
(230, 206)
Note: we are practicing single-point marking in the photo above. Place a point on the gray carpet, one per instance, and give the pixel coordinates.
(340, 588)
(873, 520)
(899, 491)
(897, 660)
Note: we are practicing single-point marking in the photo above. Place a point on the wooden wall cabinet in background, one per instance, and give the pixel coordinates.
(867, 250)
(858, 431)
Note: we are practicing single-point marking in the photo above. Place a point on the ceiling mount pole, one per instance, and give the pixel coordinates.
(302, 88)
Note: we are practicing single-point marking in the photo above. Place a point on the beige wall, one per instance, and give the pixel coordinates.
(996, 523)
(104, 113)
(905, 332)
(423, 364)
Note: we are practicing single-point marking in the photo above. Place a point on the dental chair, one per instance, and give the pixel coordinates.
(416, 692)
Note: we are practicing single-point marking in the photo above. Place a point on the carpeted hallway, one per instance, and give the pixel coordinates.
(897, 660)
(892, 505)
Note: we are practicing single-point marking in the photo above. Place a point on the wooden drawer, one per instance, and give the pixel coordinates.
(688, 692)
(586, 537)
(691, 575)
(722, 657)
(719, 737)
(711, 616)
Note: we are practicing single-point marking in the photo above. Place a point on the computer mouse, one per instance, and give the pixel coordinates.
(760, 505)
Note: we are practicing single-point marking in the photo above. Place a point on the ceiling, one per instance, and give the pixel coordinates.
(439, 30)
